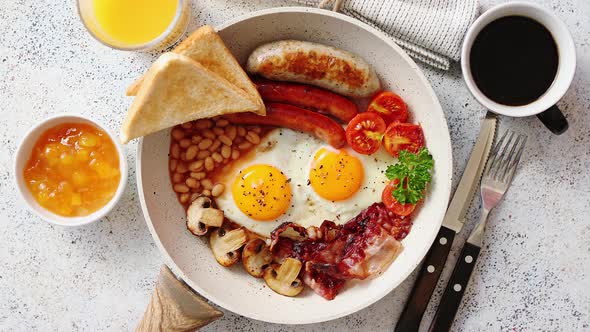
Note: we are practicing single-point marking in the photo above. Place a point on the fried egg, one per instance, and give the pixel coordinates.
(294, 177)
(262, 192)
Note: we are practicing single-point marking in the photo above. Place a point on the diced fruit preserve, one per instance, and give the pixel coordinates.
(73, 169)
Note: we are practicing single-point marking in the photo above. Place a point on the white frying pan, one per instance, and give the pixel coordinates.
(232, 288)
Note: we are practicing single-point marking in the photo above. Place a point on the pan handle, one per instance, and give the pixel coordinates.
(175, 307)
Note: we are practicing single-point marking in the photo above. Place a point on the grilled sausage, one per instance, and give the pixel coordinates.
(293, 117)
(307, 96)
(324, 66)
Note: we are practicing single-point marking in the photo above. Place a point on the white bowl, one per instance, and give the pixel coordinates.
(232, 288)
(23, 154)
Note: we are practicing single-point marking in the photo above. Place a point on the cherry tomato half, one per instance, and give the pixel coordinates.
(403, 136)
(392, 204)
(364, 132)
(390, 106)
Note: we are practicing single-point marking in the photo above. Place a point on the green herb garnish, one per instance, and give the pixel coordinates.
(413, 173)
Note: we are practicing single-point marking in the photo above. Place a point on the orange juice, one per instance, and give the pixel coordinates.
(73, 169)
(134, 22)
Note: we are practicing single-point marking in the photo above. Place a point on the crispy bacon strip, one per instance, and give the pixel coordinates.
(321, 283)
(363, 247)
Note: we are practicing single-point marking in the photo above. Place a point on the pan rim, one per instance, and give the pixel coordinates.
(280, 319)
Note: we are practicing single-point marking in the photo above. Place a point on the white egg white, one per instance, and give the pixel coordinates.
(293, 152)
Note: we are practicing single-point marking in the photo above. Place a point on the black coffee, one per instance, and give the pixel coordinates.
(514, 60)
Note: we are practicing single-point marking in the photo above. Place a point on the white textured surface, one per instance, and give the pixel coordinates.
(533, 273)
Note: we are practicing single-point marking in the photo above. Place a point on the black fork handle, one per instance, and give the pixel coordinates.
(451, 299)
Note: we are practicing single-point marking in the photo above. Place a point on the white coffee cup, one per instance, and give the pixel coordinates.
(544, 107)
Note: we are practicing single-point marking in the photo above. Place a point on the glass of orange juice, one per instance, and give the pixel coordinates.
(135, 25)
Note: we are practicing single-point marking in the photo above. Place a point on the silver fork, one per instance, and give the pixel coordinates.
(497, 177)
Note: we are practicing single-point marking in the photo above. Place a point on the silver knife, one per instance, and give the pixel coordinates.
(453, 221)
(455, 217)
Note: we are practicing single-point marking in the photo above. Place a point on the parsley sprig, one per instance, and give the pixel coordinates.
(413, 173)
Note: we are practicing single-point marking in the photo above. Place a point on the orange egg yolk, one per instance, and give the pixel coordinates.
(262, 192)
(73, 169)
(335, 175)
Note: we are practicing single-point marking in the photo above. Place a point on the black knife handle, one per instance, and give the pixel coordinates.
(426, 282)
(451, 299)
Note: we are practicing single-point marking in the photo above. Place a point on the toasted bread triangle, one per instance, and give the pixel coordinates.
(177, 89)
(206, 47)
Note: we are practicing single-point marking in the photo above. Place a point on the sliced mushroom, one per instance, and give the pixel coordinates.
(256, 257)
(225, 244)
(283, 278)
(201, 215)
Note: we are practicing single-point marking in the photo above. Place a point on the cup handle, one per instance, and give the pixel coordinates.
(554, 120)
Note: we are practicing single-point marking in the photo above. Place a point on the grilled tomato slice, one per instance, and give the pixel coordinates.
(392, 204)
(389, 106)
(403, 136)
(364, 132)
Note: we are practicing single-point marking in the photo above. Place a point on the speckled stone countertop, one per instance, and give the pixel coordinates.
(533, 273)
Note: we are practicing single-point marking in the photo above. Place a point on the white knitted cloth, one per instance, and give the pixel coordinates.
(430, 31)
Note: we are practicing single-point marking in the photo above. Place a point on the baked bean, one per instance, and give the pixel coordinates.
(193, 183)
(206, 192)
(218, 131)
(194, 196)
(244, 145)
(203, 154)
(207, 184)
(196, 139)
(180, 188)
(225, 151)
(177, 134)
(209, 164)
(217, 189)
(185, 143)
(205, 144)
(217, 157)
(175, 151)
(181, 168)
(221, 123)
(238, 140)
(203, 124)
(191, 152)
(231, 132)
(187, 125)
(252, 137)
(255, 129)
(173, 164)
(196, 166)
(225, 140)
(216, 144)
(235, 154)
(198, 175)
(184, 197)
(241, 131)
(183, 156)
(208, 133)
(177, 177)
